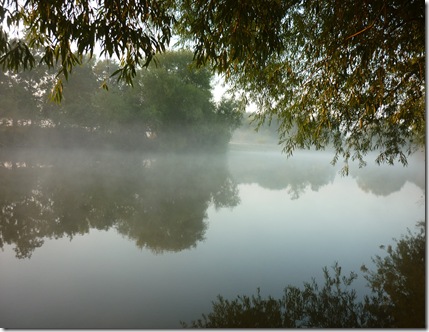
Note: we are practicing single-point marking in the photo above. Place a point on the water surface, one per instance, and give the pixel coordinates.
(109, 239)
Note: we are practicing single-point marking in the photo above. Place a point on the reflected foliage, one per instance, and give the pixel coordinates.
(397, 298)
(333, 305)
(399, 282)
(386, 179)
(264, 165)
(157, 201)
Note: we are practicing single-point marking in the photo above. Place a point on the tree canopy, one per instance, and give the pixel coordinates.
(337, 74)
(170, 107)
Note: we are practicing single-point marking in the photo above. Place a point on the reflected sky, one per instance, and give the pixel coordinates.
(258, 234)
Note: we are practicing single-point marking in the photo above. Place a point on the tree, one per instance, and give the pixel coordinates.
(336, 73)
(113, 107)
(133, 31)
(176, 100)
(77, 106)
(177, 96)
(21, 95)
(171, 102)
(170, 106)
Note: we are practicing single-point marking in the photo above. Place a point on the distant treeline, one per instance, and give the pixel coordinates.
(169, 106)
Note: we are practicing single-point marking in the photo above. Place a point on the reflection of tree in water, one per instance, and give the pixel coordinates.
(272, 170)
(384, 180)
(159, 202)
(397, 298)
(312, 170)
(172, 206)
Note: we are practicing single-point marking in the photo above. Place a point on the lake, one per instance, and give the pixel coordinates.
(110, 239)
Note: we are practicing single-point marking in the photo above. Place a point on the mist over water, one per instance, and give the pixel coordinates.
(107, 238)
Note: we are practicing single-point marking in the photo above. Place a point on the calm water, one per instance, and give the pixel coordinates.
(126, 240)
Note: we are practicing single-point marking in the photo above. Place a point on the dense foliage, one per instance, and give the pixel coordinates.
(397, 299)
(343, 74)
(131, 30)
(169, 107)
(336, 73)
